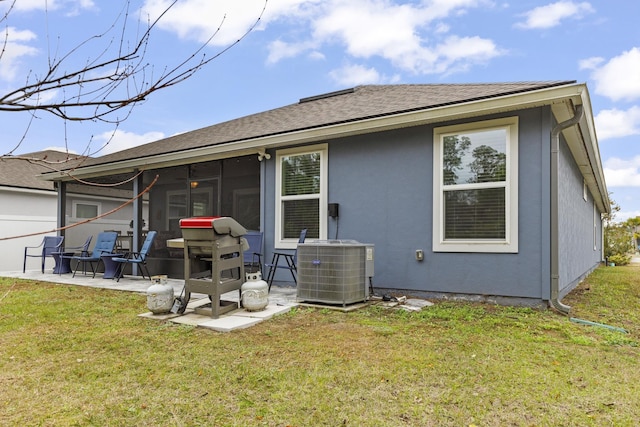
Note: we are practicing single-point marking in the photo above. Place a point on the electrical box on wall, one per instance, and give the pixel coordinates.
(333, 210)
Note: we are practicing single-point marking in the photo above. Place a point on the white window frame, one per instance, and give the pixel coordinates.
(75, 204)
(322, 149)
(510, 243)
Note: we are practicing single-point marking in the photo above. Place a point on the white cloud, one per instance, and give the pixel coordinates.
(619, 78)
(60, 149)
(369, 28)
(77, 6)
(410, 35)
(317, 56)
(28, 5)
(590, 63)
(15, 47)
(279, 50)
(442, 28)
(199, 19)
(618, 123)
(16, 43)
(110, 142)
(354, 75)
(622, 173)
(32, 5)
(552, 14)
(460, 52)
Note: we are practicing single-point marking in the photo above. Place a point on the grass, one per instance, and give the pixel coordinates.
(80, 356)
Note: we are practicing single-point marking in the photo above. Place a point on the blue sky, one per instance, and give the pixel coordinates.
(305, 48)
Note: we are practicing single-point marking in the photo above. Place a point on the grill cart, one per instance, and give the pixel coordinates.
(213, 261)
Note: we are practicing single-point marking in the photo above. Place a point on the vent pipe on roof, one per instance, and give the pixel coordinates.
(327, 95)
(555, 244)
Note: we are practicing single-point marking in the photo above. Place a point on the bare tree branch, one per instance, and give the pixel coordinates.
(106, 85)
(113, 79)
(88, 220)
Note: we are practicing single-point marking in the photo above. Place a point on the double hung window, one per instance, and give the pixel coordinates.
(476, 184)
(301, 194)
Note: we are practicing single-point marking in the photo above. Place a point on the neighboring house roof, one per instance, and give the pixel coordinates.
(365, 109)
(23, 170)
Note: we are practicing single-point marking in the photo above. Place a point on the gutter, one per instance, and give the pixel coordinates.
(555, 244)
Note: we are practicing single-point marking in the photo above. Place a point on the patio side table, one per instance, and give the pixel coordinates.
(62, 262)
(111, 268)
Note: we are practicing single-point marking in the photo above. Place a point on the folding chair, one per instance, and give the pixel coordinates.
(254, 239)
(289, 258)
(138, 258)
(105, 242)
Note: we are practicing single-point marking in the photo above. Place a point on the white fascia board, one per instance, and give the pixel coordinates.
(377, 124)
(583, 144)
(52, 193)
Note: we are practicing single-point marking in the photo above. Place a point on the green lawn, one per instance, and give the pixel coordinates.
(79, 356)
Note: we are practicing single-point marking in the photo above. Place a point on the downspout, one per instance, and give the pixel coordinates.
(555, 244)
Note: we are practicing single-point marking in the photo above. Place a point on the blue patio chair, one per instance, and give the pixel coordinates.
(138, 258)
(49, 245)
(254, 239)
(105, 242)
(290, 258)
(63, 256)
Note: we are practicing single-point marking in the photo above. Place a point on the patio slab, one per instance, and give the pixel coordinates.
(229, 323)
(190, 319)
(281, 299)
(266, 314)
(236, 319)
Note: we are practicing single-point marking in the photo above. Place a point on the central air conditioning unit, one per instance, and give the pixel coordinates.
(334, 271)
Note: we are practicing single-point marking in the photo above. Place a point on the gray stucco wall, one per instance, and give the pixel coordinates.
(384, 185)
(580, 249)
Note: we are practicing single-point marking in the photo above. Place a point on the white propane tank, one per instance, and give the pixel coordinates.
(255, 292)
(160, 295)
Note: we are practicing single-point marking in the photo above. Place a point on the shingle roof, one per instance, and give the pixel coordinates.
(350, 105)
(22, 173)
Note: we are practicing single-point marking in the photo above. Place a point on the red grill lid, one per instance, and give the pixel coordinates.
(198, 222)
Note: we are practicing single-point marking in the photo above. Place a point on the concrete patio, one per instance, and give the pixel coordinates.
(281, 299)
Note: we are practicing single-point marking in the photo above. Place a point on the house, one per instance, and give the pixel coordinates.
(29, 207)
(482, 190)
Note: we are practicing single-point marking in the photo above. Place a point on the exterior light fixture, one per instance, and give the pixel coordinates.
(262, 154)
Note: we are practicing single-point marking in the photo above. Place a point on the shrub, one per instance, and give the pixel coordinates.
(620, 259)
(618, 241)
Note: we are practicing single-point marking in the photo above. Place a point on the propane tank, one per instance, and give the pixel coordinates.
(159, 295)
(255, 292)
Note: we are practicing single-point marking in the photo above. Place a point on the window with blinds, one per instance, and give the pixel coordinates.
(301, 191)
(475, 175)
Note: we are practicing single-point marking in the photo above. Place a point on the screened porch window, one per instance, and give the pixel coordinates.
(475, 175)
(86, 209)
(301, 192)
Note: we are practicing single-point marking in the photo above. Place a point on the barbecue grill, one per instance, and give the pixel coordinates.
(213, 261)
